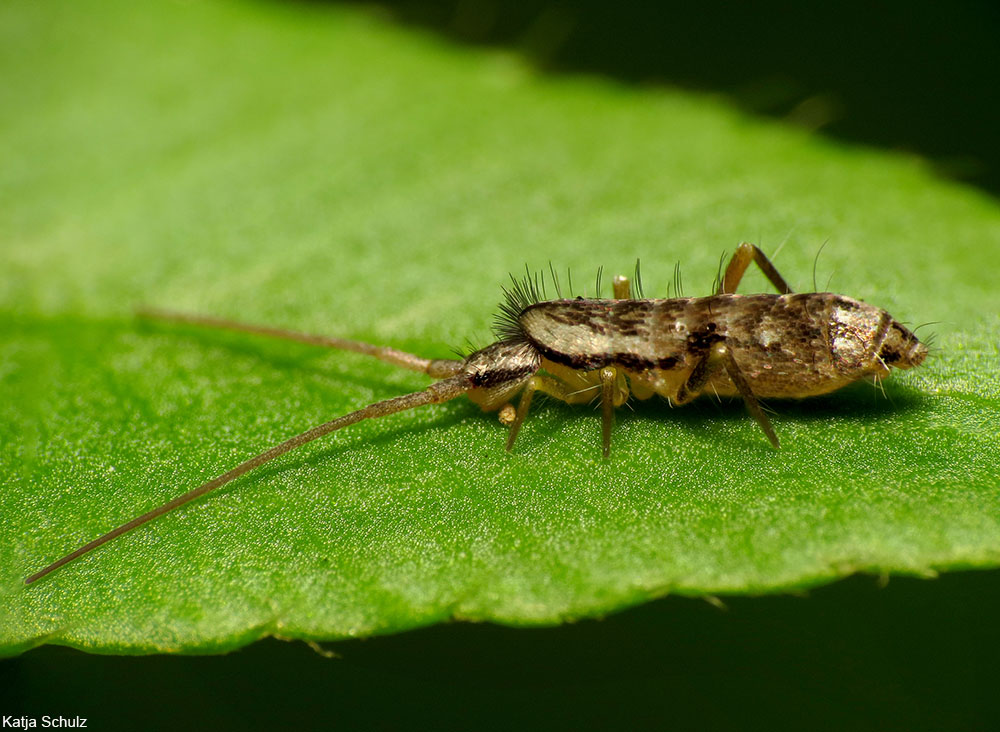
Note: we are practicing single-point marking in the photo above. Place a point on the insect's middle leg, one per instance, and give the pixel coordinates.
(614, 393)
(719, 357)
(746, 253)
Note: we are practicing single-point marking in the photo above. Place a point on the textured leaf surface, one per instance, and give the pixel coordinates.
(319, 169)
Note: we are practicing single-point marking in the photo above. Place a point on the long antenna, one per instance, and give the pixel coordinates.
(438, 392)
(439, 368)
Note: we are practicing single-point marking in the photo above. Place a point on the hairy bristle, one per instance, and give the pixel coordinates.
(521, 294)
(637, 282)
(529, 289)
(717, 282)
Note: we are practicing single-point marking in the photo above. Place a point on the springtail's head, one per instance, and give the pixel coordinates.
(499, 371)
(900, 348)
(865, 339)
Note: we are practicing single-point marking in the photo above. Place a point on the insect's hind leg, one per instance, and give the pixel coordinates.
(746, 253)
(720, 356)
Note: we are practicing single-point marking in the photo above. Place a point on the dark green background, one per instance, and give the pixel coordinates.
(914, 655)
(916, 76)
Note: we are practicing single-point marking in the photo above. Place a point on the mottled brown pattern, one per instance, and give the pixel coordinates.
(501, 363)
(787, 345)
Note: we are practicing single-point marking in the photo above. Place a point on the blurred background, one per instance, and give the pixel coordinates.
(916, 77)
(910, 76)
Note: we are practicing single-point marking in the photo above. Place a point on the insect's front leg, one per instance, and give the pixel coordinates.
(614, 393)
(746, 253)
(548, 385)
(720, 356)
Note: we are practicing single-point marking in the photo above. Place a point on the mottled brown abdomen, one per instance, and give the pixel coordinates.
(786, 345)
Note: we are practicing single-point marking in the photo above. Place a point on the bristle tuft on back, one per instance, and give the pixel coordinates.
(522, 293)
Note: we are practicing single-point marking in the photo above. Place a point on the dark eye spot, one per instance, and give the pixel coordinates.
(890, 356)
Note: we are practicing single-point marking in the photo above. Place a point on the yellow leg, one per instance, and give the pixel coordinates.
(641, 388)
(614, 393)
(548, 385)
(622, 288)
(609, 375)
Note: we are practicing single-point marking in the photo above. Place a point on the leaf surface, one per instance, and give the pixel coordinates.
(319, 169)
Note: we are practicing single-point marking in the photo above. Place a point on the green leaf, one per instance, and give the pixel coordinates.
(319, 169)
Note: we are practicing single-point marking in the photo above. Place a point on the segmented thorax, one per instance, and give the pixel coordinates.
(786, 345)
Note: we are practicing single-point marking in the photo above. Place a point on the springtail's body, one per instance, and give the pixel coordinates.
(579, 350)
